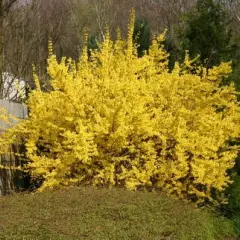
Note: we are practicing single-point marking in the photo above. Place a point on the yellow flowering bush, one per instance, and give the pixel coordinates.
(114, 119)
(7, 156)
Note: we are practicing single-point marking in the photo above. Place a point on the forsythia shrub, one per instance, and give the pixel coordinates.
(9, 121)
(114, 119)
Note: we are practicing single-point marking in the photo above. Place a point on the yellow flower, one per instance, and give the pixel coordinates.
(116, 119)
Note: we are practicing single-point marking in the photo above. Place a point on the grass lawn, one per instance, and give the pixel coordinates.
(102, 214)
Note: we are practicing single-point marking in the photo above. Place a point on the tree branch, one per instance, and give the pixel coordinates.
(8, 5)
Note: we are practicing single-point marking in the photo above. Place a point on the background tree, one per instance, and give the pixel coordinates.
(29, 24)
(207, 33)
(5, 7)
(142, 36)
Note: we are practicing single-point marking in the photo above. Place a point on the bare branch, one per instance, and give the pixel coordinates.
(8, 5)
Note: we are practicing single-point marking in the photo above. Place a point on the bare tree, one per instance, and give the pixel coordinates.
(30, 25)
(5, 6)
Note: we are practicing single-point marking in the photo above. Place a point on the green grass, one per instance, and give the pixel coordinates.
(101, 214)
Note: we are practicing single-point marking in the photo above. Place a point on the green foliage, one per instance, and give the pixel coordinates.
(236, 221)
(234, 197)
(235, 76)
(90, 214)
(232, 209)
(92, 44)
(207, 33)
(141, 36)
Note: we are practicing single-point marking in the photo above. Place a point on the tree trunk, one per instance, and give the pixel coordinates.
(1, 47)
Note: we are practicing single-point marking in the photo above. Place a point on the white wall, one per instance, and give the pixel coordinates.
(15, 109)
